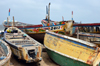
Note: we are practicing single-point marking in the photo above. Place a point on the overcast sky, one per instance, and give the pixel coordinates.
(33, 11)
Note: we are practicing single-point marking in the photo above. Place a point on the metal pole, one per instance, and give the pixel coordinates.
(49, 13)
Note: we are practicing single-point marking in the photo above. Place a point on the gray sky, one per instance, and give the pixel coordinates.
(33, 11)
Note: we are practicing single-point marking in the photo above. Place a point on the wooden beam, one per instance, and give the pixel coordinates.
(49, 13)
(13, 22)
(7, 21)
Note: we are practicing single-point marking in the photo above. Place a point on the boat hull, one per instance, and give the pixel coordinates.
(6, 60)
(69, 51)
(62, 60)
(38, 36)
(7, 63)
(23, 46)
(20, 53)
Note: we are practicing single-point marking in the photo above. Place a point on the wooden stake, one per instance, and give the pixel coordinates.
(13, 22)
(77, 33)
(7, 21)
(49, 13)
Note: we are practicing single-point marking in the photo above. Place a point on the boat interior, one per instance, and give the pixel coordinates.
(3, 50)
(18, 38)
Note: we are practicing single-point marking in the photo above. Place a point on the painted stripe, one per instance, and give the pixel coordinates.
(72, 18)
(73, 41)
(9, 13)
(86, 25)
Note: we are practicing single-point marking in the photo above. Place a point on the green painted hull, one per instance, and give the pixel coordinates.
(64, 61)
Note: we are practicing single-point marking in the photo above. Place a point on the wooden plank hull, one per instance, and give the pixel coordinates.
(24, 47)
(5, 59)
(64, 61)
(69, 51)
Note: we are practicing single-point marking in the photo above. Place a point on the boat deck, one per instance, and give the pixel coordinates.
(18, 39)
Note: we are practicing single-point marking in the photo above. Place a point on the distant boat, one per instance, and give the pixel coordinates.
(5, 54)
(66, 50)
(90, 37)
(22, 45)
(36, 31)
(89, 32)
(88, 27)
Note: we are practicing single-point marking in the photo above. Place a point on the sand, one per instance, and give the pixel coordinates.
(46, 61)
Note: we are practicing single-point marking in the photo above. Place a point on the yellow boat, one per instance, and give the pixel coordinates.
(22, 45)
(66, 50)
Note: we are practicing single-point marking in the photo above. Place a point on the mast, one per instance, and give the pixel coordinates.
(62, 18)
(49, 13)
(46, 12)
(9, 15)
(13, 22)
(7, 21)
(72, 15)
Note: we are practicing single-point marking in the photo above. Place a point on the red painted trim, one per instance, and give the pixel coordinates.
(88, 24)
(32, 26)
(40, 25)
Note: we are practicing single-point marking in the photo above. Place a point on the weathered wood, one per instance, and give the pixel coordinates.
(49, 13)
(7, 21)
(13, 22)
(23, 45)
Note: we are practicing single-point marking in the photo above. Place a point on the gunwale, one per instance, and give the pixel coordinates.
(74, 39)
(2, 62)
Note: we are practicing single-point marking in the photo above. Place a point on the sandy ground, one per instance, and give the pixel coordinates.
(46, 61)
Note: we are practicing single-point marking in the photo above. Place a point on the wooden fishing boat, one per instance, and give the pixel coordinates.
(22, 45)
(89, 32)
(5, 54)
(36, 31)
(66, 50)
(69, 51)
(88, 27)
(90, 37)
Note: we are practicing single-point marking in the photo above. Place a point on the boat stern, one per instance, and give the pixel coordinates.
(32, 54)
